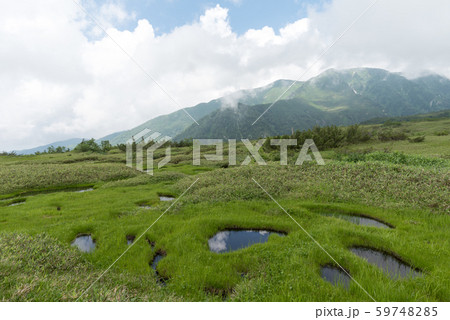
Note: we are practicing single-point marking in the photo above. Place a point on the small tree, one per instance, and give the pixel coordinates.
(106, 146)
(60, 149)
(87, 145)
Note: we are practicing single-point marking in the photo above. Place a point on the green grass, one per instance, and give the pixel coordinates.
(42, 269)
(436, 146)
(368, 183)
(290, 262)
(24, 178)
(393, 158)
(411, 191)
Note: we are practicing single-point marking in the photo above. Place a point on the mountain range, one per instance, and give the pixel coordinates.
(332, 98)
(335, 97)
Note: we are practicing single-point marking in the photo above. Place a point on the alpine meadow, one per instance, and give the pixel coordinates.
(225, 151)
(395, 172)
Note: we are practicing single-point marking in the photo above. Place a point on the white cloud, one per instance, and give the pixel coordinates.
(401, 36)
(61, 78)
(215, 21)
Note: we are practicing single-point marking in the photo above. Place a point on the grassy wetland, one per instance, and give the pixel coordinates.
(403, 183)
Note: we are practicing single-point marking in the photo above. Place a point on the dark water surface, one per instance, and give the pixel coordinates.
(390, 264)
(359, 220)
(159, 256)
(156, 260)
(336, 276)
(130, 239)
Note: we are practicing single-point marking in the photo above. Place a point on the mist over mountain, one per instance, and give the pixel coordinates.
(175, 123)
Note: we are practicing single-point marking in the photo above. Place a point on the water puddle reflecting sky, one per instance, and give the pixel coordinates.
(231, 240)
(335, 276)
(166, 198)
(359, 220)
(390, 264)
(84, 190)
(84, 242)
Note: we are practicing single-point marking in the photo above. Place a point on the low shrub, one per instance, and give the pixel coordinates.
(441, 133)
(391, 135)
(417, 139)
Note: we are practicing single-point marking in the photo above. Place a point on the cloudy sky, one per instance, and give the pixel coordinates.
(62, 77)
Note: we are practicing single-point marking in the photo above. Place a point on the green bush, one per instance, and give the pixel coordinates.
(106, 146)
(417, 139)
(182, 143)
(4, 153)
(391, 123)
(441, 133)
(391, 135)
(355, 134)
(87, 145)
(392, 157)
(326, 137)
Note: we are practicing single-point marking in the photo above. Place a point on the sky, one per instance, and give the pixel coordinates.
(242, 14)
(61, 77)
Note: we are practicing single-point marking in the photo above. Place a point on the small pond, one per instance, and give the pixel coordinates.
(130, 239)
(231, 240)
(156, 260)
(336, 276)
(84, 242)
(159, 256)
(16, 204)
(84, 190)
(166, 198)
(390, 264)
(360, 220)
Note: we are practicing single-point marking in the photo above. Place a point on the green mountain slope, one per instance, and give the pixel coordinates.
(170, 124)
(395, 94)
(286, 116)
(174, 123)
(334, 97)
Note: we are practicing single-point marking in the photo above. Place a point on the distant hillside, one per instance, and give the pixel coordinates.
(71, 143)
(170, 124)
(333, 97)
(110, 137)
(433, 116)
